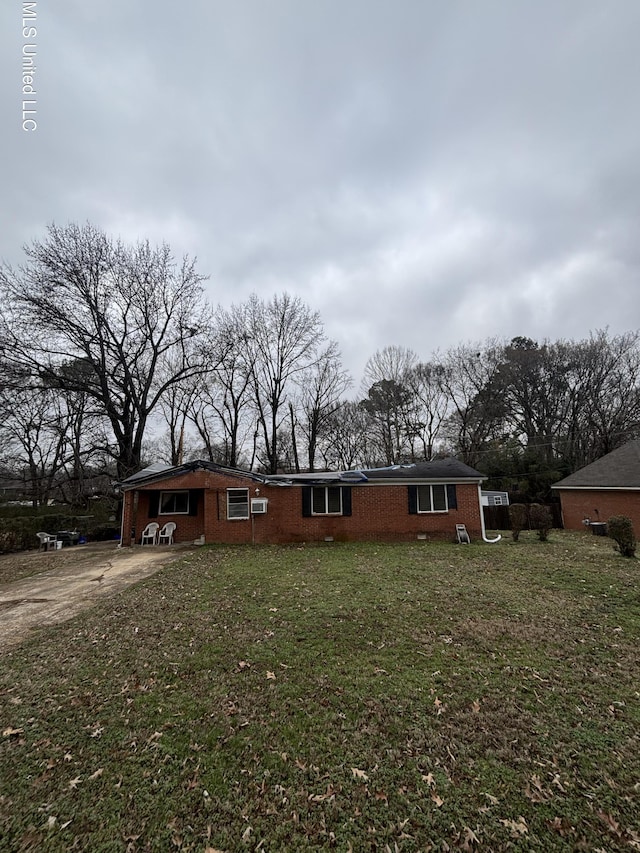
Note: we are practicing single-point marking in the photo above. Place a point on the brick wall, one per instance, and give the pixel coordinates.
(598, 506)
(379, 512)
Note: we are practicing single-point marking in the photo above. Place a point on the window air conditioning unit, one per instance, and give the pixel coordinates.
(259, 506)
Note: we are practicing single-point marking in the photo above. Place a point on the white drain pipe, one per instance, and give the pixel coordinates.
(484, 532)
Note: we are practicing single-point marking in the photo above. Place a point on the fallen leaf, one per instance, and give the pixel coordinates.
(436, 799)
(246, 834)
(469, 838)
(475, 706)
(537, 795)
(11, 732)
(320, 798)
(611, 823)
(51, 822)
(518, 827)
(493, 800)
(429, 780)
(560, 825)
(97, 774)
(243, 664)
(271, 676)
(359, 774)
(75, 782)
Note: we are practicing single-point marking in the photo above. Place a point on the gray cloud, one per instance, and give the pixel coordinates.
(421, 173)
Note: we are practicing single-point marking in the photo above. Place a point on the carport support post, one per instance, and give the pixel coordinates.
(209, 515)
(127, 519)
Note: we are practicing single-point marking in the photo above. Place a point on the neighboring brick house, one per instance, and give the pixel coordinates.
(403, 502)
(609, 486)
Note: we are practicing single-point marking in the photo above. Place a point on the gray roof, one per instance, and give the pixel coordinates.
(439, 469)
(152, 471)
(158, 471)
(619, 469)
(448, 470)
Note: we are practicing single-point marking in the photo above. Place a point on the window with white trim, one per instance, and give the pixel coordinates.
(237, 503)
(174, 503)
(432, 499)
(326, 500)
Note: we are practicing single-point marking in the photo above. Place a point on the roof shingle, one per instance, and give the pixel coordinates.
(619, 469)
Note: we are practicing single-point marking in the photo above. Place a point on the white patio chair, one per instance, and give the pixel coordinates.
(150, 533)
(463, 536)
(46, 541)
(165, 537)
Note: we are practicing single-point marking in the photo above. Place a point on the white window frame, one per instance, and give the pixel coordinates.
(162, 511)
(431, 487)
(497, 500)
(325, 489)
(232, 517)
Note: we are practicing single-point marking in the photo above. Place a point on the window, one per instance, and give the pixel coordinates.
(237, 503)
(497, 500)
(174, 503)
(432, 499)
(326, 500)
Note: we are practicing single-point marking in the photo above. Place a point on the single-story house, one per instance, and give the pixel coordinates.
(209, 503)
(609, 486)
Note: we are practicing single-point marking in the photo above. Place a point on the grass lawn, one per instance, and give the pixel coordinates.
(350, 697)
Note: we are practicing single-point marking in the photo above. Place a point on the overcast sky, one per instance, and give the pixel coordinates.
(422, 173)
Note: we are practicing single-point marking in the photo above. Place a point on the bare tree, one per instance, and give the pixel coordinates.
(387, 403)
(284, 338)
(388, 400)
(392, 363)
(571, 402)
(34, 439)
(321, 388)
(477, 412)
(345, 442)
(601, 407)
(131, 315)
(219, 406)
(428, 409)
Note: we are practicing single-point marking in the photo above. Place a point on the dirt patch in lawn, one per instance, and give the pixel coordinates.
(43, 588)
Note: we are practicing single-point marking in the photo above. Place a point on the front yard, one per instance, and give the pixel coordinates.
(350, 697)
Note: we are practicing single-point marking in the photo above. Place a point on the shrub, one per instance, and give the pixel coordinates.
(620, 529)
(18, 533)
(517, 519)
(541, 520)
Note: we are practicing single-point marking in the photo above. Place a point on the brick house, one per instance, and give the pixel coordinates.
(211, 503)
(609, 486)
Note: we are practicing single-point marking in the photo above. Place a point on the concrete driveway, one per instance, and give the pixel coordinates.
(60, 584)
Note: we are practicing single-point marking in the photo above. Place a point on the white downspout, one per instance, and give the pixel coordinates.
(122, 520)
(484, 532)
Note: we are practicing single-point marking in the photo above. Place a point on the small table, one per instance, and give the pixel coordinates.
(68, 537)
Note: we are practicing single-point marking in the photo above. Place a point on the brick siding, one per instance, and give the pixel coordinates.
(598, 505)
(379, 512)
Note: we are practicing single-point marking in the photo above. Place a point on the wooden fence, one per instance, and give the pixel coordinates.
(497, 517)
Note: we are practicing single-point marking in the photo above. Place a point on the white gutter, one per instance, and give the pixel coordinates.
(484, 532)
